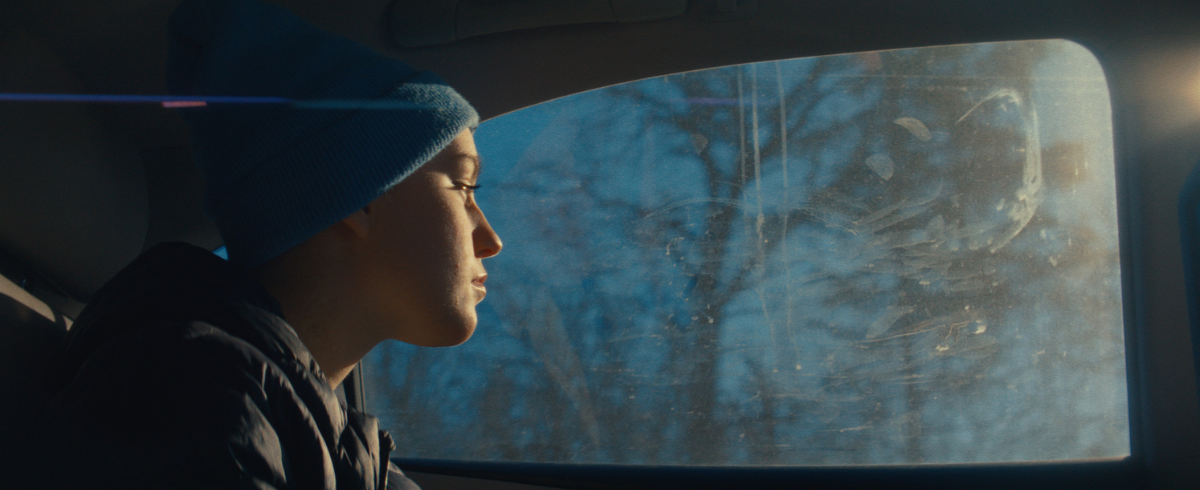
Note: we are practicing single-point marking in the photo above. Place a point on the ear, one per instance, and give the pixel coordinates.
(359, 222)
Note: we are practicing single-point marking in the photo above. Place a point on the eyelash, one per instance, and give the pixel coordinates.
(471, 188)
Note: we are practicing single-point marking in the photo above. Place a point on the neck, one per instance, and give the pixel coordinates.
(313, 303)
(326, 337)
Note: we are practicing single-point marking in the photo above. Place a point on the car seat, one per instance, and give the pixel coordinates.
(31, 333)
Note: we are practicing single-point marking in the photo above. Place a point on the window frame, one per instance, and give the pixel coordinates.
(1155, 318)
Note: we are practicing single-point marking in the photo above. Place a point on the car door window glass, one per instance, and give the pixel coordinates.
(888, 257)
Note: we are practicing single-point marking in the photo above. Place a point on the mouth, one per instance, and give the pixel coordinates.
(478, 283)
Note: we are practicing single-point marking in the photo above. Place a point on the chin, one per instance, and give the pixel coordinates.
(465, 334)
(448, 333)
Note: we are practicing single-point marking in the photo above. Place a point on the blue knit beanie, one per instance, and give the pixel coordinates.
(277, 174)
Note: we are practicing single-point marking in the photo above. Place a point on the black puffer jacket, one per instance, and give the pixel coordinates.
(181, 373)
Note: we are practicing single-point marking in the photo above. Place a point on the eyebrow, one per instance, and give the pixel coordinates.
(478, 161)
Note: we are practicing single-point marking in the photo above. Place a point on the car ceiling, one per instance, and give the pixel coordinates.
(85, 187)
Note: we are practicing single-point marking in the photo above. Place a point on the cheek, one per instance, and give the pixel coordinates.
(442, 234)
(436, 247)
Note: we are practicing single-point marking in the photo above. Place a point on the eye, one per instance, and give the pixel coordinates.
(468, 190)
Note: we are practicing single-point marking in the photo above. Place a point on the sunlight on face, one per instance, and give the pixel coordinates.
(425, 250)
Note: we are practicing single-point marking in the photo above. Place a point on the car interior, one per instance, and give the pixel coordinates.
(87, 184)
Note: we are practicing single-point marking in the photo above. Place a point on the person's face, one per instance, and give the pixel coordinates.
(424, 248)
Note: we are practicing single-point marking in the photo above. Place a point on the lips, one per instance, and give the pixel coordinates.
(478, 283)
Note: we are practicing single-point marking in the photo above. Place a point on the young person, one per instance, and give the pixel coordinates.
(346, 225)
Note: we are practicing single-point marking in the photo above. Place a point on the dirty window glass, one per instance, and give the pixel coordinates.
(887, 257)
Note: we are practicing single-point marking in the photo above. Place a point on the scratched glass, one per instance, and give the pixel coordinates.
(876, 258)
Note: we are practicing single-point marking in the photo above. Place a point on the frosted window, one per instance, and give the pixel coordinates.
(888, 257)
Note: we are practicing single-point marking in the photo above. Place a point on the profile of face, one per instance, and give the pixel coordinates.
(420, 261)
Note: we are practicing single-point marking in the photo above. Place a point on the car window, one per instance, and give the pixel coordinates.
(887, 257)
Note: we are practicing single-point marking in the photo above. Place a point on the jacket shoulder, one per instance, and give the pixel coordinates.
(178, 400)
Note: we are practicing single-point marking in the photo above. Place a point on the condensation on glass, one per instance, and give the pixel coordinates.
(888, 257)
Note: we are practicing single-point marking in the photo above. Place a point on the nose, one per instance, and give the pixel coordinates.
(487, 242)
